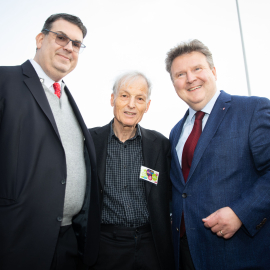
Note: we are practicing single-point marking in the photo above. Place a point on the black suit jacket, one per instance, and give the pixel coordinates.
(156, 155)
(32, 170)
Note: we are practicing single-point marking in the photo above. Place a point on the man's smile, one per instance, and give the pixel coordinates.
(194, 88)
(130, 113)
(63, 56)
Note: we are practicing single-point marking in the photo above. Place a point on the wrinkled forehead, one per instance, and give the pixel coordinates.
(189, 60)
(196, 57)
(135, 83)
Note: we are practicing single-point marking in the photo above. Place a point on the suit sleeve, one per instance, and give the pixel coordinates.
(168, 155)
(168, 160)
(253, 207)
(1, 110)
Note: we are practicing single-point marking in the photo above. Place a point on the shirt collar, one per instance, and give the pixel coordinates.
(137, 134)
(48, 82)
(208, 107)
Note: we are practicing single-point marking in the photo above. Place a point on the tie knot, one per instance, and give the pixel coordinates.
(199, 115)
(57, 89)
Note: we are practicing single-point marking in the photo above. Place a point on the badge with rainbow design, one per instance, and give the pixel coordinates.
(149, 175)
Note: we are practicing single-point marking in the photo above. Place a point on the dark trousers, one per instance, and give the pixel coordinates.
(123, 248)
(65, 255)
(186, 262)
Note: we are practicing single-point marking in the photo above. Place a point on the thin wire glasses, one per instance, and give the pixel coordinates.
(63, 40)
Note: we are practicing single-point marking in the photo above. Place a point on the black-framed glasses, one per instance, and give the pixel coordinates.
(63, 40)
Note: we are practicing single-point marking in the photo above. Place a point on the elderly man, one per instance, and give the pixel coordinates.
(220, 169)
(133, 171)
(43, 142)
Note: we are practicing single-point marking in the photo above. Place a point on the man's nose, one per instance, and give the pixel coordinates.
(69, 47)
(131, 103)
(190, 77)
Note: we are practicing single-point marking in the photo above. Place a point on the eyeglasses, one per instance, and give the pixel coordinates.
(63, 40)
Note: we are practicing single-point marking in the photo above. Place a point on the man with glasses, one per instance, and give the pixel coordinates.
(48, 185)
(63, 40)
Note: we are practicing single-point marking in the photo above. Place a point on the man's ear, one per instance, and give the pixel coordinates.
(112, 100)
(39, 40)
(148, 105)
(214, 72)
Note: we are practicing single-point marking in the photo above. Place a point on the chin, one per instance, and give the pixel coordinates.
(129, 124)
(64, 68)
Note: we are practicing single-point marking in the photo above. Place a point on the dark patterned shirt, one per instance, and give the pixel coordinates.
(124, 201)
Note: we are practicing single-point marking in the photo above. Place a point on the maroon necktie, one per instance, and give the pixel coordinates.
(57, 89)
(188, 152)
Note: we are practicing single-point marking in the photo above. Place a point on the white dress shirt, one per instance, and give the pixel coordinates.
(42, 75)
(188, 125)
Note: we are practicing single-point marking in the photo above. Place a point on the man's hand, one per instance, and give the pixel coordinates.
(224, 222)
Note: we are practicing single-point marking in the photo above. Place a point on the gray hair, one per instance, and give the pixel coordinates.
(188, 47)
(130, 77)
(67, 17)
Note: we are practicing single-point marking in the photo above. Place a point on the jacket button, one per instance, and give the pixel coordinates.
(184, 195)
(59, 218)
(101, 191)
(63, 181)
(177, 229)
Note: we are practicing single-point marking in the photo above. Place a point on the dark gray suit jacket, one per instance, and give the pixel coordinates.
(33, 173)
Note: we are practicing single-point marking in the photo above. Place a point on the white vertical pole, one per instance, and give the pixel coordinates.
(243, 48)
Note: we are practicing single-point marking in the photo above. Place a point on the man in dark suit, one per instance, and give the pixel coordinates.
(220, 169)
(45, 181)
(134, 183)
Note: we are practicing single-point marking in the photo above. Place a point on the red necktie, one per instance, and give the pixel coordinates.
(188, 152)
(57, 89)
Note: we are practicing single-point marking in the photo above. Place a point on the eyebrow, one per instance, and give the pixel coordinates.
(61, 32)
(195, 66)
(178, 72)
(125, 91)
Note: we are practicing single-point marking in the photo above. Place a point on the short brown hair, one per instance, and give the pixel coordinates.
(188, 47)
(64, 16)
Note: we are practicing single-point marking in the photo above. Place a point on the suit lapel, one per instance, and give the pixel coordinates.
(100, 137)
(174, 143)
(35, 87)
(150, 154)
(215, 118)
